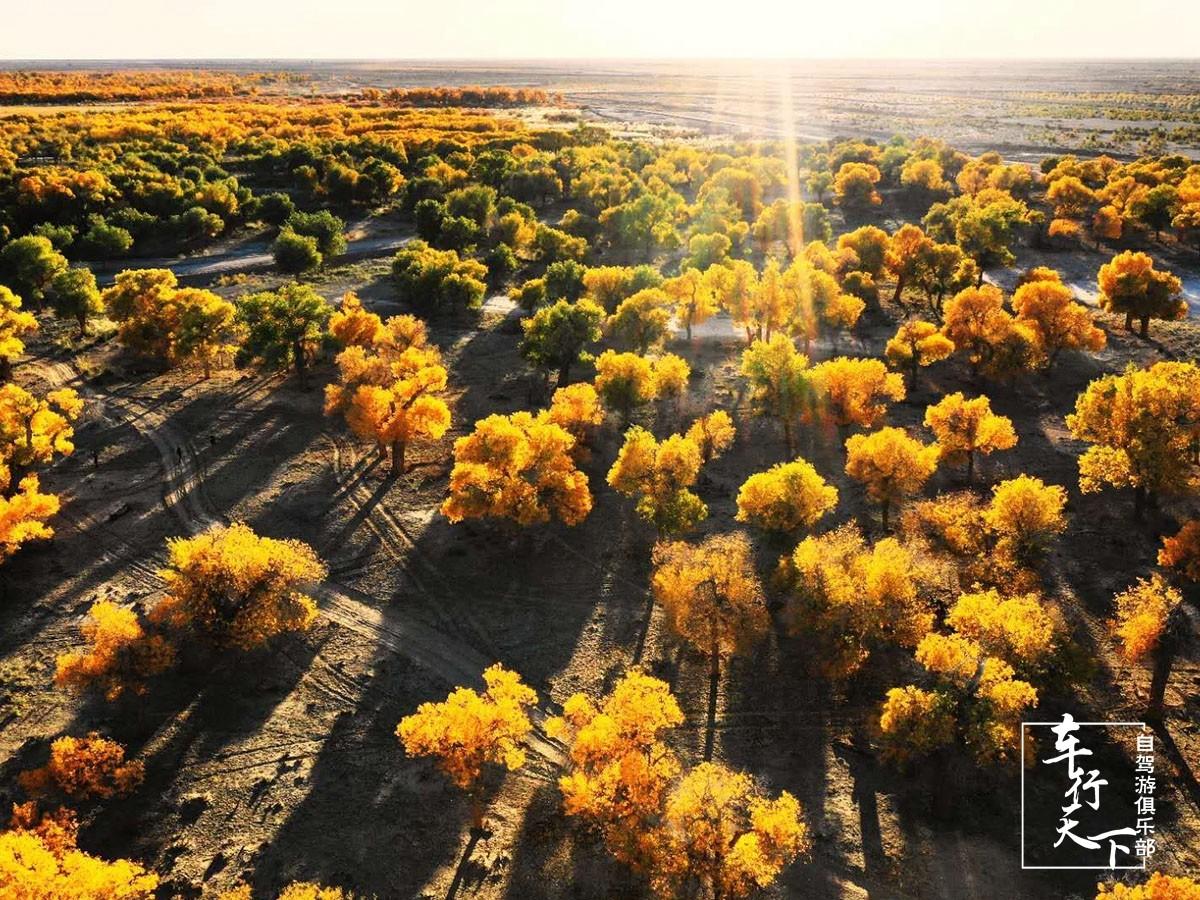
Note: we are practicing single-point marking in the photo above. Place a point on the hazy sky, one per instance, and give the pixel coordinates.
(404, 29)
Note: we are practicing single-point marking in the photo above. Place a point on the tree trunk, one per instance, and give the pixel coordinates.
(885, 506)
(398, 448)
(82, 320)
(979, 281)
(5, 369)
(564, 373)
(476, 809)
(1129, 321)
(298, 357)
(1164, 657)
(714, 682)
(787, 437)
(16, 472)
(899, 289)
(970, 466)
(1145, 332)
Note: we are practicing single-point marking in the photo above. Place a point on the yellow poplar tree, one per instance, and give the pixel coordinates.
(1142, 426)
(719, 831)
(890, 464)
(786, 497)
(993, 341)
(964, 428)
(621, 766)
(1159, 887)
(713, 601)
(23, 516)
(1058, 322)
(854, 598)
(695, 296)
(916, 344)
(625, 381)
(1018, 629)
(855, 391)
(353, 326)
(29, 867)
(468, 731)
(659, 474)
(236, 587)
(389, 391)
(713, 434)
(518, 467)
(1130, 285)
(1181, 551)
(781, 387)
(1148, 624)
(14, 325)
(121, 656)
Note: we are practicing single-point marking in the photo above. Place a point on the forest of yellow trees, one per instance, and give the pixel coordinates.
(433, 491)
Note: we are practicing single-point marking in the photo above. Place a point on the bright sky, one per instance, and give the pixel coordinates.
(556, 29)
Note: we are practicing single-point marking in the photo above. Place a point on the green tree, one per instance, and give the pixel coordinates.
(284, 327)
(295, 253)
(29, 266)
(555, 336)
(74, 295)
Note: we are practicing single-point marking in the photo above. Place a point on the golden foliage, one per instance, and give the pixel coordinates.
(1141, 425)
(84, 769)
(992, 340)
(34, 430)
(786, 497)
(621, 766)
(890, 464)
(713, 434)
(1181, 551)
(233, 586)
(917, 343)
(659, 474)
(14, 324)
(977, 701)
(855, 391)
(1018, 629)
(711, 593)
(23, 516)
(1025, 514)
(625, 381)
(1159, 887)
(964, 428)
(720, 831)
(1058, 322)
(916, 722)
(29, 868)
(518, 467)
(780, 383)
(388, 390)
(1141, 615)
(641, 321)
(158, 319)
(1130, 285)
(853, 597)
(576, 409)
(121, 656)
(58, 829)
(469, 730)
(353, 326)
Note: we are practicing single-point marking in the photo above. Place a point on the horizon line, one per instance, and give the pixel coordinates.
(309, 59)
